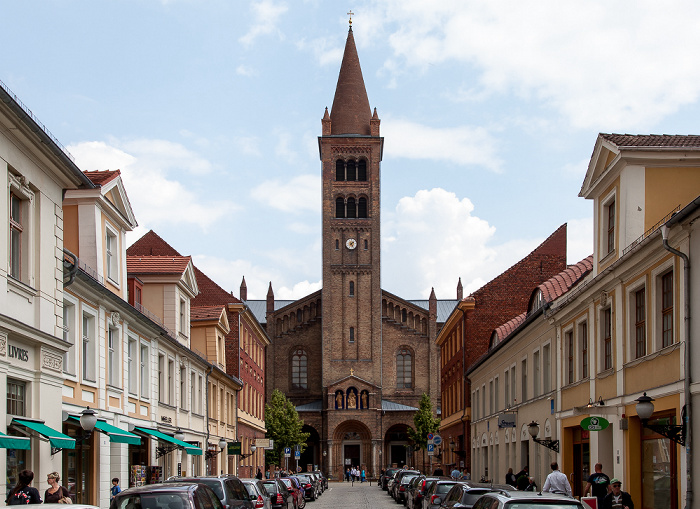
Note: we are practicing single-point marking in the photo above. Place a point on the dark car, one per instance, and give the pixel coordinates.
(279, 495)
(171, 495)
(229, 489)
(412, 489)
(294, 487)
(401, 487)
(398, 476)
(524, 499)
(417, 495)
(388, 474)
(436, 493)
(309, 485)
(323, 478)
(464, 494)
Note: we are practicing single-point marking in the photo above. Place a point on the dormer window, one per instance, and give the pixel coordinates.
(537, 301)
(112, 255)
(609, 226)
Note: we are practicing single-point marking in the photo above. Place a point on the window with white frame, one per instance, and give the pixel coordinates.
(570, 365)
(161, 378)
(88, 347)
(20, 251)
(523, 372)
(69, 334)
(113, 364)
(583, 348)
(639, 323)
(112, 255)
(199, 394)
(609, 225)
(483, 400)
(183, 315)
(496, 406)
(606, 360)
(536, 373)
(144, 371)
(16, 397)
(665, 292)
(131, 365)
(171, 382)
(491, 407)
(475, 405)
(183, 387)
(506, 386)
(546, 369)
(193, 389)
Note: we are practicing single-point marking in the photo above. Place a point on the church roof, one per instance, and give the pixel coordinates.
(350, 113)
(314, 406)
(387, 406)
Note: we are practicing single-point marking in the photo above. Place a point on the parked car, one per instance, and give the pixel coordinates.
(401, 487)
(397, 480)
(319, 481)
(412, 489)
(384, 478)
(229, 489)
(294, 487)
(309, 485)
(418, 492)
(280, 497)
(525, 499)
(436, 493)
(324, 479)
(464, 494)
(167, 496)
(257, 493)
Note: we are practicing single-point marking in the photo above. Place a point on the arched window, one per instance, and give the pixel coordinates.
(352, 288)
(362, 207)
(352, 209)
(403, 315)
(403, 369)
(339, 207)
(299, 316)
(299, 364)
(340, 170)
(362, 170)
(352, 173)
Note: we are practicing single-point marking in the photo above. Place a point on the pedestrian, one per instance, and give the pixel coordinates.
(259, 475)
(363, 475)
(557, 482)
(598, 484)
(455, 473)
(617, 498)
(467, 476)
(22, 493)
(347, 474)
(113, 491)
(532, 486)
(510, 478)
(56, 492)
(438, 471)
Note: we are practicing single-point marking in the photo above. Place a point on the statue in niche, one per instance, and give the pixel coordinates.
(352, 400)
(363, 397)
(339, 400)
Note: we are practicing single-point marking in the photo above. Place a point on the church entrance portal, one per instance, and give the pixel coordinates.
(351, 454)
(352, 447)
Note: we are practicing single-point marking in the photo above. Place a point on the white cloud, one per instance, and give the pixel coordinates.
(608, 64)
(249, 145)
(155, 197)
(301, 193)
(244, 70)
(457, 145)
(325, 49)
(299, 290)
(266, 15)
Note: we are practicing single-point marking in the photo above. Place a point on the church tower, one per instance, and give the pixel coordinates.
(351, 152)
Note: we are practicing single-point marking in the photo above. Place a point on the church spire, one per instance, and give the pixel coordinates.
(350, 113)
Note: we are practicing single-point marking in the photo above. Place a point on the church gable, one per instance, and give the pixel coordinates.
(404, 315)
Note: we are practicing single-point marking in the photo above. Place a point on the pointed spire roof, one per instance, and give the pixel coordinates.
(350, 113)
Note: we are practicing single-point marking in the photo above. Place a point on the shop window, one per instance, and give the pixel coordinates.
(404, 372)
(88, 348)
(299, 373)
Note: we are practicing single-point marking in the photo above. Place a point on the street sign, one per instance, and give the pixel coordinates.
(437, 439)
(297, 454)
(594, 423)
(287, 452)
(431, 449)
(430, 436)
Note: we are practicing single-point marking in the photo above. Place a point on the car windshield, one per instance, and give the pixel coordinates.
(536, 504)
(407, 479)
(154, 501)
(271, 487)
(444, 487)
(250, 489)
(215, 485)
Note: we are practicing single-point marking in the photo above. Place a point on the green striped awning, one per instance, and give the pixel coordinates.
(8, 442)
(189, 448)
(115, 434)
(56, 438)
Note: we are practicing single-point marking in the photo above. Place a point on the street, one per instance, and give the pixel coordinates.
(344, 494)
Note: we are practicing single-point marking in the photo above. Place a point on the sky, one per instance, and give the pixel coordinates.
(489, 110)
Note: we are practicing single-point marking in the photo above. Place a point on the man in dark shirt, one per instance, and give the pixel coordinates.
(617, 499)
(598, 484)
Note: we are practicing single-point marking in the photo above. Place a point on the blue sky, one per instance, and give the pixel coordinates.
(489, 110)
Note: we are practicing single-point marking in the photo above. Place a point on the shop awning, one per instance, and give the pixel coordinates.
(8, 442)
(56, 438)
(154, 433)
(115, 434)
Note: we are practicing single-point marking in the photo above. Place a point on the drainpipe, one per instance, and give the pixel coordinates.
(206, 419)
(686, 382)
(73, 267)
(464, 387)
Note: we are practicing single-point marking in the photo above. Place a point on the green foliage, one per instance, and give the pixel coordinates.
(283, 426)
(424, 423)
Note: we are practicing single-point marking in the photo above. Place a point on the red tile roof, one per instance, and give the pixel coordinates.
(653, 140)
(157, 264)
(504, 330)
(151, 244)
(200, 313)
(562, 282)
(100, 178)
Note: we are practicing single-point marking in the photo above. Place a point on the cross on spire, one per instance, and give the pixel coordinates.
(351, 14)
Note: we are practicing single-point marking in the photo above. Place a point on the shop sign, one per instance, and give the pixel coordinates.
(17, 352)
(234, 448)
(594, 423)
(506, 421)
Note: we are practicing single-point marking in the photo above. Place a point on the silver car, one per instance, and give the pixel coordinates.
(258, 494)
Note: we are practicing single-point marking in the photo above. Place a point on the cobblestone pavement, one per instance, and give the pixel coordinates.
(340, 495)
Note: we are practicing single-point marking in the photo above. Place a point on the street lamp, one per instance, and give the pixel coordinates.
(534, 429)
(211, 454)
(674, 432)
(179, 435)
(88, 419)
(452, 445)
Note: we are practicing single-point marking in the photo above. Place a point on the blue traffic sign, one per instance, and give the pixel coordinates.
(431, 447)
(430, 436)
(437, 439)
(287, 452)
(297, 454)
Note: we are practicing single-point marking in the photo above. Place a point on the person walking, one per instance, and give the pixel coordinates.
(347, 474)
(55, 492)
(510, 478)
(259, 475)
(617, 499)
(455, 473)
(557, 482)
(22, 493)
(598, 484)
(362, 479)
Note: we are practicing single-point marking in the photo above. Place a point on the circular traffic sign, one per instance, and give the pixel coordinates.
(430, 436)
(437, 439)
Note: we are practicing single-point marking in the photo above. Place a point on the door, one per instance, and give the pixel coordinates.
(351, 452)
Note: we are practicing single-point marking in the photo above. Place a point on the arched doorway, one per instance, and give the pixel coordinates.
(398, 447)
(352, 446)
(310, 457)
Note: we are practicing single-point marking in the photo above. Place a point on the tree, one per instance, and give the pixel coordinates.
(424, 423)
(283, 426)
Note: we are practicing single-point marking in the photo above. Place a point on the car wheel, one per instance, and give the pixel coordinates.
(302, 503)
